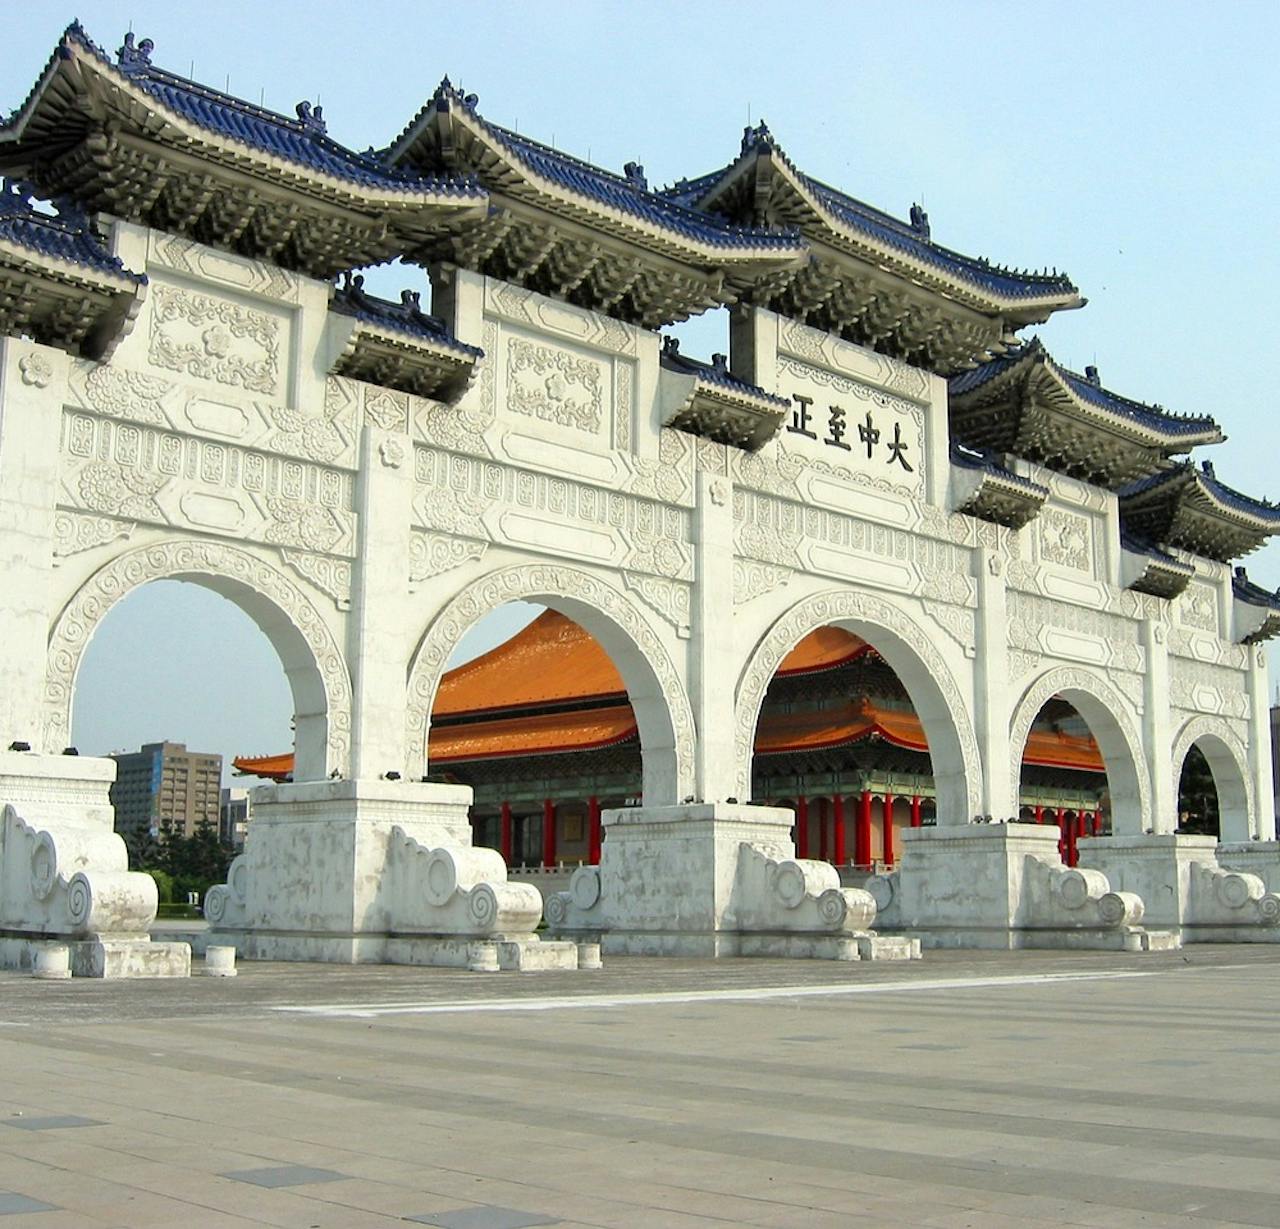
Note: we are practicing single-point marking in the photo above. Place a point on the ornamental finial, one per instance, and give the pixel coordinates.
(920, 221)
(1091, 374)
(131, 57)
(1206, 468)
(311, 118)
(634, 172)
(753, 136)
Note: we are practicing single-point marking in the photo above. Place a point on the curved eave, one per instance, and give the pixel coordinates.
(524, 182)
(1036, 378)
(43, 264)
(1017, 309)
(154, 122)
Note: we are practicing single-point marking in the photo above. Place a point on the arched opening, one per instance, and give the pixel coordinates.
(578, 711)
(541, 728)
(839, 737)
(1213, 794)
(1197, 796)
(1063, 781)
(174, 683)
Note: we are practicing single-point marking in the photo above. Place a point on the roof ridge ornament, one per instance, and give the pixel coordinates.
(634, 171)
(752, 137)
(134, 58)
(311, 118)
(920, 221)
(1091, 374)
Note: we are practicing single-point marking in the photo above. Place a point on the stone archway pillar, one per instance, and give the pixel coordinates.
(713, 661)
(379, 600)
(30, 377)
(1157, 731)
(991, 687)
(1260, 751)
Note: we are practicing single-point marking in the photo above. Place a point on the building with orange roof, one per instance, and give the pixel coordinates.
(541, 728)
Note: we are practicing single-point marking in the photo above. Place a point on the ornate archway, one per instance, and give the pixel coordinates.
(1227, 759)
(1107, 715)
(658, 697)
(909, 651)
(309, 653)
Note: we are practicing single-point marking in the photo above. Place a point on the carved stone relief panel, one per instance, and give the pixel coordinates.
(669, 598)
(462, 426)
(76, 532)
(574, 324)
(324, 432)
(555, 385)
(822, 349)
(1201, 687)
(142, 473)
(1198, 607)
(431, 554)
(237, 273)
(752, 579)
(525, 508)
(669, 479)
(1077, 633)
(217, 339)
(1065, 539)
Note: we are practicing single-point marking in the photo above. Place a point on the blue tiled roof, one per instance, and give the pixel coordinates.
(1154, 417)
(1225, 495)
(715, 372)
(972, 458)
(296, 140)
(67, 236)
(629, 195)
(404, 317)
(1141, 546)
(1254, 595)
(885, 228)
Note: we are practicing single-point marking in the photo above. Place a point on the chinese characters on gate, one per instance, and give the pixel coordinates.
(894, 451)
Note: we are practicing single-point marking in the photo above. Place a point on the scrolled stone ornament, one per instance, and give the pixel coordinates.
(584, 886)
(216, 900)
(1269, 909)
(790, 884)
(482, 906)
(44, 863)
(833, 908)
(1233, 890)
(79, 900)
(556, 909)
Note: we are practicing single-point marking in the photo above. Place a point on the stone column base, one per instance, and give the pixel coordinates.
(712, 880)
(383, 872)
(64, 873)
(1185, 888)
(1003, 886)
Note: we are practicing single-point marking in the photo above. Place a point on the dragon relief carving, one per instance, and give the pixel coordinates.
(431, 554)
(192, 558)
(537, 582)
(214, 339)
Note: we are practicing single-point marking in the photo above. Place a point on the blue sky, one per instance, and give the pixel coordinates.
(1131, 145)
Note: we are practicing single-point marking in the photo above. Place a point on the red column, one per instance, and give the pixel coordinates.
(505, 839)
(862, 833)
(888, 829)
(916, 821)
(838, 854)
(1039, 814)
(548, 833)
(594, 835)
(823, 807)
(802, 827)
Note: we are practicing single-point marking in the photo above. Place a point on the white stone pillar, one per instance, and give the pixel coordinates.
(993, 702)
(33, 382)
(379, 601)
(713, 672)
(1263, 823)
(1157, 730)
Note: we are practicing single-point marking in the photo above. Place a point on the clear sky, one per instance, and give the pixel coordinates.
(1131, 145)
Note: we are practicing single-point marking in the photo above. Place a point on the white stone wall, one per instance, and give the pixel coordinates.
(366, 530)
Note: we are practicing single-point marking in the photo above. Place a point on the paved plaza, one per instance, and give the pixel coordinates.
(969, 1089)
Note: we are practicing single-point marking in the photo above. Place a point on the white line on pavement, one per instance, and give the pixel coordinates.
(363, 1011)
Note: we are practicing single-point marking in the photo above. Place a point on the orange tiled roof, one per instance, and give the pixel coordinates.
(543, 734)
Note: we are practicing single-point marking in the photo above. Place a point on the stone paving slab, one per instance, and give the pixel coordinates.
(983, 1089)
